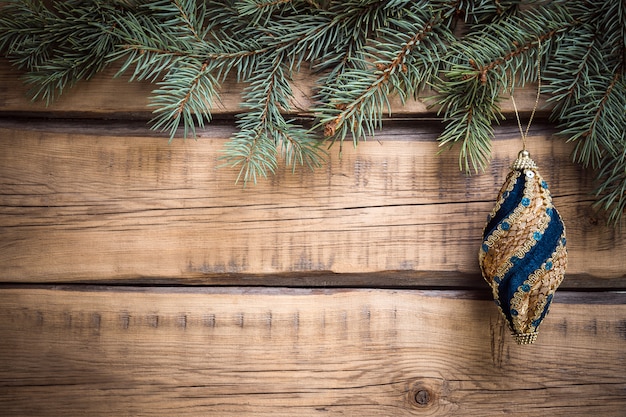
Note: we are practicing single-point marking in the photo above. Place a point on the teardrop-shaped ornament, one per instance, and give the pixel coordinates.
(523, 255)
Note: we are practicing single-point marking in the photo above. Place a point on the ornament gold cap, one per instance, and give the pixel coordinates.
(523, 162)
(525, 338)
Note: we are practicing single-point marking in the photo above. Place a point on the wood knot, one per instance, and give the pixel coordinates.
(422, 395)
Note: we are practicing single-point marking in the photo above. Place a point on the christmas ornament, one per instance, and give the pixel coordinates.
(523, 255)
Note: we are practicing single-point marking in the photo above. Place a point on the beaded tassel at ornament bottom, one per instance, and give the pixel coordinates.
(523, 255)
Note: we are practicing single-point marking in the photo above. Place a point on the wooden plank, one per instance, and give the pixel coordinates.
(115, 203)
(107, 96)
(278, 352)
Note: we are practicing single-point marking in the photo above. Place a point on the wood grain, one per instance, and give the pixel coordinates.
(117, 203)
(102, 351)
(111, 96)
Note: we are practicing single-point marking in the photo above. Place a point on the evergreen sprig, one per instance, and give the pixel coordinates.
(57, 47)
(263, 130)
(470, 52)
(402, 56)
(586, 80)
(493, 59)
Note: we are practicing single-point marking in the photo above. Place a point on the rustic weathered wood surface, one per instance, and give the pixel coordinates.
(279, 352)
(91, 198)
(110, 204)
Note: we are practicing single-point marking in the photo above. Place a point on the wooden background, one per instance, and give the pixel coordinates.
(139, 280)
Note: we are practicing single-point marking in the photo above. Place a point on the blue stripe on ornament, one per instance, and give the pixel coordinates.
(542, 251)
(508, 205)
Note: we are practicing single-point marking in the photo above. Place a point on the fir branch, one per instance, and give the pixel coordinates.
(575, 61)
(184, 96)
(305, 38)
(589, 125)
(482, 67)
(22, 38)
(341, 47)
(263, 130)
(192, 14)
(155, 37)
(261, 11)
(474, 12)
(582, 79)
(59, 47)
(586, 80)
(400, 63)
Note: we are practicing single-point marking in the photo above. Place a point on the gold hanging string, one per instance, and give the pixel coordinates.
(532, 114)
